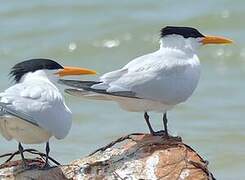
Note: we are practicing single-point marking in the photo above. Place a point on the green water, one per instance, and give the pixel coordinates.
(104, 35)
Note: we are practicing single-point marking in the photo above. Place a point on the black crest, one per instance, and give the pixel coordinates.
(186, 32)
(32, 65)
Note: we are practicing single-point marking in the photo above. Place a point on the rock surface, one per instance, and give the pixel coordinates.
(139, 156)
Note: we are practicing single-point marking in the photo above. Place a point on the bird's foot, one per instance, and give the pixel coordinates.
(45, 166)
(166, 136)
(37, 163)
(160, 133)
(28, 164)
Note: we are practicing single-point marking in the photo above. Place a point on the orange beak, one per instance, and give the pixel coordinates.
(67, 71)
(215, 40)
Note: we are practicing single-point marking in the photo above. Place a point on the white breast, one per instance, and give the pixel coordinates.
(21, 131)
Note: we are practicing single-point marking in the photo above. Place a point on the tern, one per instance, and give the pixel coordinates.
(33, 109)
(153, 82)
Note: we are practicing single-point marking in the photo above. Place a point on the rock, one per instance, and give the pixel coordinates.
(136, 156)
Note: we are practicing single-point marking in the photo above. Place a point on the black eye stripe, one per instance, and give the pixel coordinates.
(32, 65)
(186, 32)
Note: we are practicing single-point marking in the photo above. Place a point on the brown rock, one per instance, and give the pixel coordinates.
(130, 157)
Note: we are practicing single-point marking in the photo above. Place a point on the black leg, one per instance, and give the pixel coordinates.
(154, 133)
(21, 150)
(146, 116)
(159, 133)
(47, 155)
(165, 123)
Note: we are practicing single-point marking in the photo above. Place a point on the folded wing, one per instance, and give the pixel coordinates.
(40, 104)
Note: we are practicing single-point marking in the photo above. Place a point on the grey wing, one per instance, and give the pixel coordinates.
(7, 110)
(115, 83)
(81, 86)
(77, 84)
(41, 101)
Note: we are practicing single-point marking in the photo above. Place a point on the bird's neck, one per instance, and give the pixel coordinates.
(40, 75)
(179, 44)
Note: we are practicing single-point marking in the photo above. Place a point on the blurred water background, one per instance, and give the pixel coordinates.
(104, 35)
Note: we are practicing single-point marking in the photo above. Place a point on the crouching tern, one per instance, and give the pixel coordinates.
(33, 109)
(153, 82)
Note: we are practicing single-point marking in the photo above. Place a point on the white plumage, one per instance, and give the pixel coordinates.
(154, 82)
(33, 110)
(159, 80)
(38, 97)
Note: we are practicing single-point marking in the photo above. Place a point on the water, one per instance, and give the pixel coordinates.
(104, 35)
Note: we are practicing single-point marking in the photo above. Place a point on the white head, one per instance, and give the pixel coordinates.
(45, 68)
(187, 38)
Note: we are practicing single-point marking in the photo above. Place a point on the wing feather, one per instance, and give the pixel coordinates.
(43, 102)
(4, 109)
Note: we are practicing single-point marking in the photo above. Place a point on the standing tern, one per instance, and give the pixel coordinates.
(33, 109)
(153, 82)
